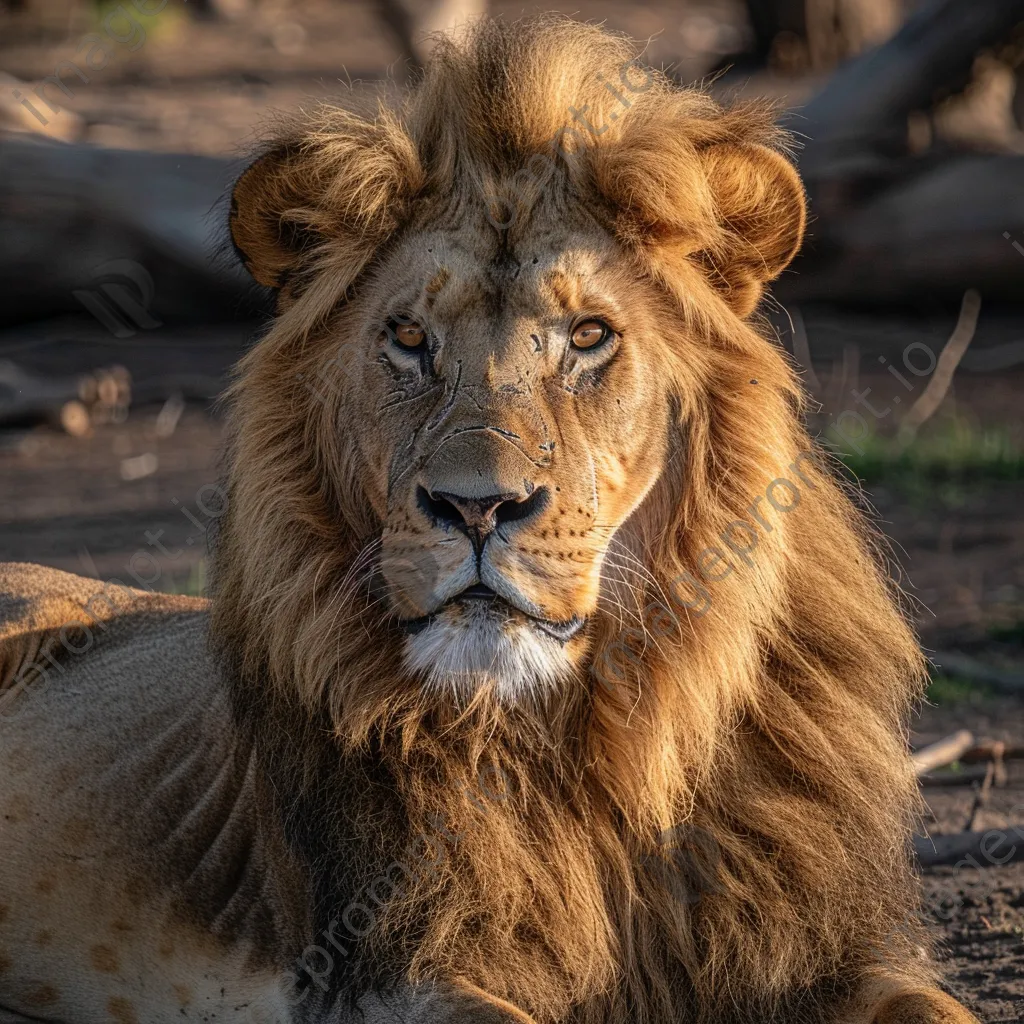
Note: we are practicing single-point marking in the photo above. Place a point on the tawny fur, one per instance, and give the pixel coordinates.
(775, 722)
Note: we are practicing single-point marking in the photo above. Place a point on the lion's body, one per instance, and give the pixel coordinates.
(551, 676)
(107, 762)
(138, 886)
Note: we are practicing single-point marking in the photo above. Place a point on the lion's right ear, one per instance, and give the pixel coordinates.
(267, 214)
(762, 213)
(331, 195)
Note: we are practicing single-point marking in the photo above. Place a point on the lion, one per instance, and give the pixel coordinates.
(549, 674)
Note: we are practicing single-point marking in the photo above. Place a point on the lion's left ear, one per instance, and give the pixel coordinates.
(735, 209)
(762, 213)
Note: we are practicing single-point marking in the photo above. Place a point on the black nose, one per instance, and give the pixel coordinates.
(478, 518)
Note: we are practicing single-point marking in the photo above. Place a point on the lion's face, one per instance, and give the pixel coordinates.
(486, 410)
(510, 415)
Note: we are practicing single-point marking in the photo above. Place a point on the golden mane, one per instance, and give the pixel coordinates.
(765, 708)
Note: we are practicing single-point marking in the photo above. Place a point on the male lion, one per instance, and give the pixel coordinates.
(548, 675)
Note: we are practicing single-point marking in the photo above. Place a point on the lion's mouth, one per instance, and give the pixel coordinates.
(562, 631)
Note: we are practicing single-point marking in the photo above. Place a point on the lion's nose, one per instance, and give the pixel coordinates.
(479, 517)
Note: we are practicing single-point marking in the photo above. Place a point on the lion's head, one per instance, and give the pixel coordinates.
(496, 318)
(517, 479)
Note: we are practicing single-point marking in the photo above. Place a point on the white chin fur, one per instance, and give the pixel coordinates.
(461, 651)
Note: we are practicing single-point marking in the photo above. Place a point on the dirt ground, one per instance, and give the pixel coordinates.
(978, 914)
(64, 501)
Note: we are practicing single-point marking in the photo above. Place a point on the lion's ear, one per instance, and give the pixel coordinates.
(762, 212)
(346, 182)
(736, 209)
(267, 214)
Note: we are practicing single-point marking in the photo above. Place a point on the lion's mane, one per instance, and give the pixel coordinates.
(774, 721)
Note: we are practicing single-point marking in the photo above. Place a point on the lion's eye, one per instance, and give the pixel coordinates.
(590, 334)
(409, 336)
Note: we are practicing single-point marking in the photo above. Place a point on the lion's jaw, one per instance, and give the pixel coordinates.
(475, 642)
(526, 457)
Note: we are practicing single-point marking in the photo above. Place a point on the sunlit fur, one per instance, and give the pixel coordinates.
(775, 722)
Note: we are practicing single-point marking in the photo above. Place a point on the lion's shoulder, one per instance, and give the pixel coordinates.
(45, 613)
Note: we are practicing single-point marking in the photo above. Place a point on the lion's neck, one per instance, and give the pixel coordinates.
(440, 845)
(473, 864)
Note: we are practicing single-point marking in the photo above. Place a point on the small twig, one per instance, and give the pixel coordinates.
(981, 795)
(1000, 776)
(924, 408)
(849, 375)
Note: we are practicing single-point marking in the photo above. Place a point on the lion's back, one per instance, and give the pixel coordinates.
(53, 624)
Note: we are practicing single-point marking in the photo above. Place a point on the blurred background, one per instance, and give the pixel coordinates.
(122, 125)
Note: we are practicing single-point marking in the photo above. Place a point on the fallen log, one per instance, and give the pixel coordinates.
(987, 750)
(991, 848)
(889, 225)
(966, 777)
(935, 231)
(862, 111)
(69, 211)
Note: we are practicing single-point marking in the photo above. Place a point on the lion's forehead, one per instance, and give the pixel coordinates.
(452, 272)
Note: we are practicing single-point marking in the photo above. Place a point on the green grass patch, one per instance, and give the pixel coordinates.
(953, 449)
(126, 26)
(950, 690)
(192, 585)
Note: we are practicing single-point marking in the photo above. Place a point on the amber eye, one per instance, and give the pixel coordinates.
(590, 334)
(408, 335)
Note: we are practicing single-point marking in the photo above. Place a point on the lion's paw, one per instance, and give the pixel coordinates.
(458, 1002)
(928, 1007)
